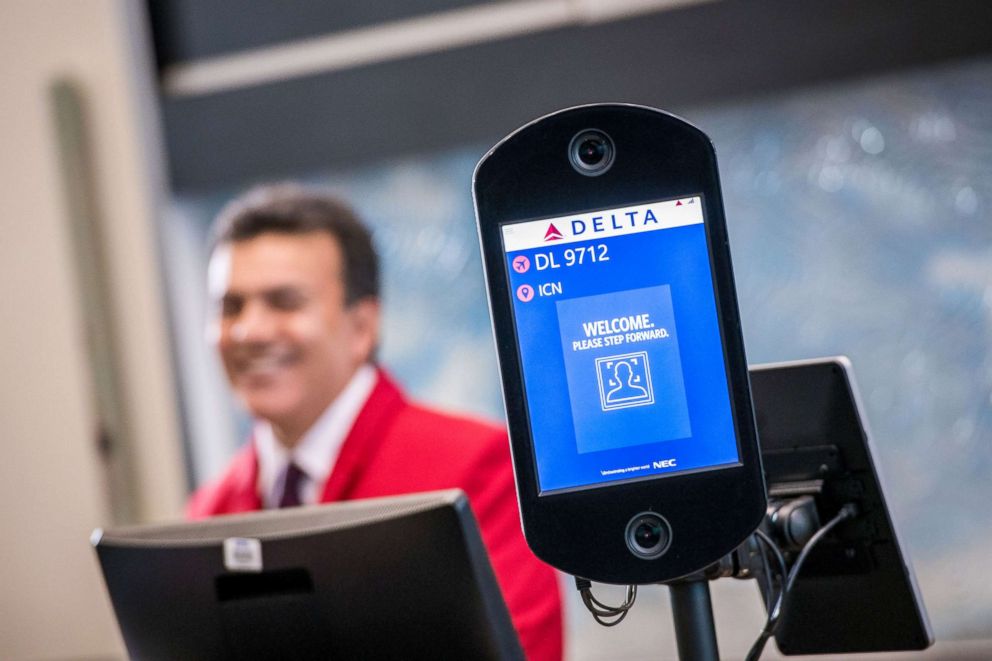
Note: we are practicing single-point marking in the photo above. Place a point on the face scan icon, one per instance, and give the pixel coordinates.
(624, 381)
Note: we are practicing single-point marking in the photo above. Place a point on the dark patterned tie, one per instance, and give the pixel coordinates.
(291, 486)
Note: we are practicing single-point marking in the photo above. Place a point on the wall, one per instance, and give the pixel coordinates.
(52, 480)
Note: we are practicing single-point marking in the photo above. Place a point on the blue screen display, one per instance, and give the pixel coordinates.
(620, 346)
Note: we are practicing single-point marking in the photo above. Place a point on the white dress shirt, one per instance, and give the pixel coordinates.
(318, 450)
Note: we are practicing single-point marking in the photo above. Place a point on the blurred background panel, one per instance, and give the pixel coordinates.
(855, 146)
(276, 88)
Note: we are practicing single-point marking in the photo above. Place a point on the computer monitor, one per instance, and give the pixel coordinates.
(856, 592)
(402, 577)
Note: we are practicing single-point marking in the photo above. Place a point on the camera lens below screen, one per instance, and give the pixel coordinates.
(648, 535)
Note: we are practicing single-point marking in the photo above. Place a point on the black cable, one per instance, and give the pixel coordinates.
(601, 611)
(848, 511)
(766, 573)
(770, 545)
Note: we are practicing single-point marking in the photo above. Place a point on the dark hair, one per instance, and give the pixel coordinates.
(293, 209)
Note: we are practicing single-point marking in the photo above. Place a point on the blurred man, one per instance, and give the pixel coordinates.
(295, 280)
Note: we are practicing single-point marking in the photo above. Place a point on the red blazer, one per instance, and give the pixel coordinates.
(396, 447)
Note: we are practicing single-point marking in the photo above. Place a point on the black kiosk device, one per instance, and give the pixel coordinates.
(619, 344)
(629, 404)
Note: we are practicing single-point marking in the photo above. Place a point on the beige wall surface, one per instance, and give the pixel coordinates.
(53, 491)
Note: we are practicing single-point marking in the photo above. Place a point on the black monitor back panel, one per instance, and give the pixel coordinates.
(856, 592)
(405, 577)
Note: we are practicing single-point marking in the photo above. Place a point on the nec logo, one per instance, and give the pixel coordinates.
(626, 220)
(552, 234)
(664, 463)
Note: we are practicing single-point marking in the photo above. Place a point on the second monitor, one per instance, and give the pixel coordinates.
(386, 578)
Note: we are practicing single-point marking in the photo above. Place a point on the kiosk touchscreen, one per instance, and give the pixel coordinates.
(619, 342)
(598, 338)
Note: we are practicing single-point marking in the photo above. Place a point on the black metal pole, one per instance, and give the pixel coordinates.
(692, 611)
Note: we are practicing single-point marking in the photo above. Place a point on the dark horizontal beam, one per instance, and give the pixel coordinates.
(187, 30)
(707, 53)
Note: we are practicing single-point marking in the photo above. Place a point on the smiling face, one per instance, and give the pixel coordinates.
(288, 342)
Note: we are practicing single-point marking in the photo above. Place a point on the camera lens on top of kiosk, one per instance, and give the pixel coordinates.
(591, 152)
(648, 535)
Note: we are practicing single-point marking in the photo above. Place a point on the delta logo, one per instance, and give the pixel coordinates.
(624, 221)
(552, 234)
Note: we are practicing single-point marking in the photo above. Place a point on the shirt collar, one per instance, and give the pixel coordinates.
(318, 450)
